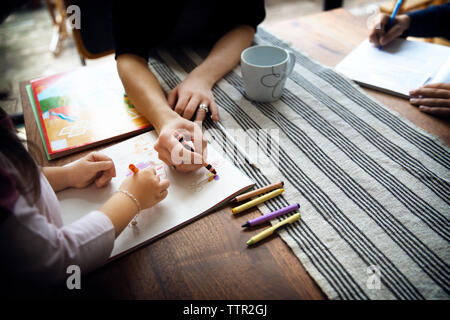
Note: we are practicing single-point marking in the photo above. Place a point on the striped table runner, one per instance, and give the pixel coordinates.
(373, 188)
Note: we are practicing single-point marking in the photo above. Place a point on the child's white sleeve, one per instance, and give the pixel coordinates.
(33, 247)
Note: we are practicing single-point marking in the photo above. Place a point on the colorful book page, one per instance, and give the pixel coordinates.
(83, 107)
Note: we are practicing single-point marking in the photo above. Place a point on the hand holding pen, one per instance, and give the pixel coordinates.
(385, 31)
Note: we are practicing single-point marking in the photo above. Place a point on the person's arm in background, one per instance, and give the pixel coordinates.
(434, 21)
(197, 87)
(431, 22)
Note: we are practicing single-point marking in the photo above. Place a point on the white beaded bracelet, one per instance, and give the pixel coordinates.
(138, 205)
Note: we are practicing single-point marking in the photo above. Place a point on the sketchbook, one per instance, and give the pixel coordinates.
(399, 67)
(190, 195)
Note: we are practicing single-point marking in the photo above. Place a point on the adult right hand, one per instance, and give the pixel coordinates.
(378, 36)
(173, 153)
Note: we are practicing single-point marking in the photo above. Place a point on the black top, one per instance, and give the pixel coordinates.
(142, 25)
(431, 22)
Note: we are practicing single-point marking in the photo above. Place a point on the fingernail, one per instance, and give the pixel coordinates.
(413, 100)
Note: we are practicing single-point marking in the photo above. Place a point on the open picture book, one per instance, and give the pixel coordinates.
(82, 108)
(399, 67)
(190, 196)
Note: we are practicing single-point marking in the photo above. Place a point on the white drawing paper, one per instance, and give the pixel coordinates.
(190, 195)
(397, 68)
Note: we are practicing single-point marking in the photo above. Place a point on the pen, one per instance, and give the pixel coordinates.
(181, 139)
(225, 132)
(257, 192)
(392, 18)
(256, 201)
(271, 215)
(275, 228)
(133, 168)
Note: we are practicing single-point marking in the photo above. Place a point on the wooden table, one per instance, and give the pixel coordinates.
(208, 258)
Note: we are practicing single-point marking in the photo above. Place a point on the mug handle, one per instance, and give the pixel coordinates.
(291, 62)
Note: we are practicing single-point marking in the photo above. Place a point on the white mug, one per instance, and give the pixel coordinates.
(264, 70)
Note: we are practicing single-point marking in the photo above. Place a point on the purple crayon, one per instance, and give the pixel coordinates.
(271, 215)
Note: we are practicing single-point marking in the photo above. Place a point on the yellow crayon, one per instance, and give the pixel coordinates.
(256, 201)
(271, 230)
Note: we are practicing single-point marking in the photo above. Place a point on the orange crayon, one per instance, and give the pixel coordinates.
(133, 168)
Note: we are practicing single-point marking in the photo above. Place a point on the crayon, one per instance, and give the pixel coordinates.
(181, 139)
(256, 201)
(133, 168)
(271, 215)
(257, 192)
(269, 231)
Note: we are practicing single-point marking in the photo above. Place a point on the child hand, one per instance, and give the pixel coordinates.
(146, 187)
(93, 167)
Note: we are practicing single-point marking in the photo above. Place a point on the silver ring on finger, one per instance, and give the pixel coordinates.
(204, 107)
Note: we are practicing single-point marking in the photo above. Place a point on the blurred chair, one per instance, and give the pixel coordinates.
(94, 39)
(57, 11)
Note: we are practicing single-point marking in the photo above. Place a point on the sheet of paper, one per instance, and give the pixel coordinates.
(443, 75)
(398, 68)
(190, 195)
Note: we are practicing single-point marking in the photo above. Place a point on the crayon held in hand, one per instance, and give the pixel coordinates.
(133, 168)
(183, 141)
(256, 201)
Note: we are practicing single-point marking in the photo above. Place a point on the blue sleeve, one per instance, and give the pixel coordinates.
(431, 22)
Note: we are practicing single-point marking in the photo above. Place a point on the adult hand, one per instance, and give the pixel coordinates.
(173, 153)
(95, 167)
(378, 35)
(189, 94)
(433, 99)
